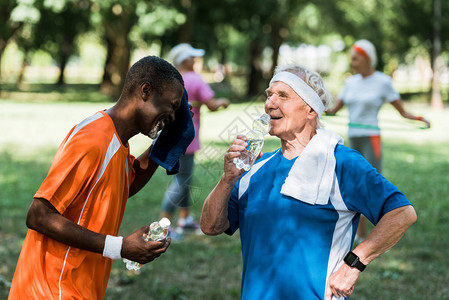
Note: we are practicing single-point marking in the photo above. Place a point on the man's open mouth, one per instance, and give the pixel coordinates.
(158, 127)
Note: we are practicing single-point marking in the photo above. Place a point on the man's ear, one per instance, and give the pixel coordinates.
(311, 113)
(145, 90)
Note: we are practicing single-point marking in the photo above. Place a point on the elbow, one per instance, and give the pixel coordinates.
(209, 229)
(412, 216)
(409, 216)
(32, 220)
(35, 220)
(37, 216)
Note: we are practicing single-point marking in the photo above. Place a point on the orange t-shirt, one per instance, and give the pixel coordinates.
(88, 183)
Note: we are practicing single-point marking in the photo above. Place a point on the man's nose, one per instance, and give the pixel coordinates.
(270, 103)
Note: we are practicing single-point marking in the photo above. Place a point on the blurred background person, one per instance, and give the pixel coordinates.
(178, 193)
(364, 94)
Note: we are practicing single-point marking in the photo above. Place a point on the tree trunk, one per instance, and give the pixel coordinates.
(119, 52)
(223, 65)
(117, 65)
(106, 82)
(380, 61)
(277, 41)
(186, 30)
(66, 48)
(161, 49)
(255, 73)
(8, 33)
(436, 101)
(22, 69)
(2, 49)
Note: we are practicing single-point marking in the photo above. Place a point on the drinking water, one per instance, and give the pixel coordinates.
(157, 232)
(255, 141)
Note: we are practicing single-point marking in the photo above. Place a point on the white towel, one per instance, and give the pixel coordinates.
(311, 178)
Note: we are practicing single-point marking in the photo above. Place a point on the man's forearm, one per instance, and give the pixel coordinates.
(44, 218)
(386, 233)
(214, 217)
(144, 169)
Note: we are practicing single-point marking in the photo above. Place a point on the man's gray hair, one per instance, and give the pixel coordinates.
(312, 79)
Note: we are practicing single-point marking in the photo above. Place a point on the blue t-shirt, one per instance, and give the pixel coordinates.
(289, 247)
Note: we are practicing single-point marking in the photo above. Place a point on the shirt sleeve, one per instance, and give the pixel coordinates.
(73, 170)
(342, 94)
(200, 90)
(233, 210)
(390, 94)
(364, 190)
(205, 92)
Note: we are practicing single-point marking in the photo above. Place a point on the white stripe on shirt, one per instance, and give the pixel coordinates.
(342, 236)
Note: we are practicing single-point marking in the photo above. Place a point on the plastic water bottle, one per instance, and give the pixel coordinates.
(158, 231)
(247, 157)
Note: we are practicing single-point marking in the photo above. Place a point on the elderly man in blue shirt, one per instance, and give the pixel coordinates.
(298, 207)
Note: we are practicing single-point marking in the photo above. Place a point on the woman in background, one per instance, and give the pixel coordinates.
(178, 193)
(364, 94)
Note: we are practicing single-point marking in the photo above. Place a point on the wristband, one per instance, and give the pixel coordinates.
(113, 247)
(419, 118)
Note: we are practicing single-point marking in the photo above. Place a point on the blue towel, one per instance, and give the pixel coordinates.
(174, 139)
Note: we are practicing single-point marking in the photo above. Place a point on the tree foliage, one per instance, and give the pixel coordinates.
(247, 34)
(59, 25)
(13, 15)
(414, 26)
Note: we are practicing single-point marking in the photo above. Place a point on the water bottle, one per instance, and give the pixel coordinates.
(158, 231)
(255, 142)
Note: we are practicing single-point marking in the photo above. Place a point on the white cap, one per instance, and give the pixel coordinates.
(183, 51)
(367, 49)
(165, 223)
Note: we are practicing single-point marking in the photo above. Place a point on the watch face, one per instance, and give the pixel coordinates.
(351, 258)
(353, 261)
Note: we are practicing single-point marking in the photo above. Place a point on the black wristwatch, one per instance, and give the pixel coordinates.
(352, 260)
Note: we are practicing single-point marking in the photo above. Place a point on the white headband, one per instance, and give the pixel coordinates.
(302, 89)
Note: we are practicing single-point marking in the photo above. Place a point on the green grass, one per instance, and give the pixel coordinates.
(33, 92)
(202, 267)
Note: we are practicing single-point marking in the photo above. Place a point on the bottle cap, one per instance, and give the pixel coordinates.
(165, 223)
(262, 124)
(265, 118)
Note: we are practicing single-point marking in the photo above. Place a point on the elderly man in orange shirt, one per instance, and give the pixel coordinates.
(75, 215)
